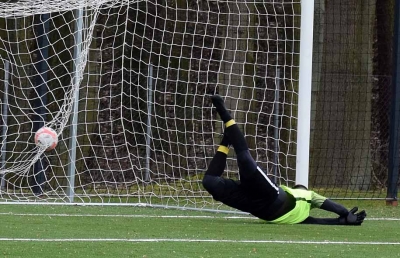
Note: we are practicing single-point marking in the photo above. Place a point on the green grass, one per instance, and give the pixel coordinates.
(96, 232)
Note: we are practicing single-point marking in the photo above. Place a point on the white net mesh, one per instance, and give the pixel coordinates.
(141, 78)
(25, 8)
(33, 75)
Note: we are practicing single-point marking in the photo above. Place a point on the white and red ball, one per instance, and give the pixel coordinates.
(47, 138)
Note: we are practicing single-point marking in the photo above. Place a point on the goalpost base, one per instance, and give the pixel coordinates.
(393, 203)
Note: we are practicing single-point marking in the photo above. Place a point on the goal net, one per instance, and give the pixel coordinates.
(126, 85)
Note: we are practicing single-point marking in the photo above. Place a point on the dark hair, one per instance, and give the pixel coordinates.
(299, 186)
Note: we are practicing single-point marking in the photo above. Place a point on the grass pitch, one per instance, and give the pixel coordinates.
(107, 231)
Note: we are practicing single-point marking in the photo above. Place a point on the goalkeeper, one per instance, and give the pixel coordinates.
(256, 194)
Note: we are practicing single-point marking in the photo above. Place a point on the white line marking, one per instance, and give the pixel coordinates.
(125, 216)
(390, 219)
(152, 216)
(193, 240)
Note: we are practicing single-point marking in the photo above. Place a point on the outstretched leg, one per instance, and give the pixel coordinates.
(232, 130)
(212, 181)
(217, 164)
(251, 176)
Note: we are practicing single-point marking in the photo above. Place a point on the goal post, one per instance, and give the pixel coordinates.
(74, 115)
(128, 88)
(4, 115)
(128, 92)
(305, 88)
(130, 99)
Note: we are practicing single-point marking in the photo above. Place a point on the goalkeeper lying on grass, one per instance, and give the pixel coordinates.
(256, 194)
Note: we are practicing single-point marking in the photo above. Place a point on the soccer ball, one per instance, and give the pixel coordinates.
(47, 138)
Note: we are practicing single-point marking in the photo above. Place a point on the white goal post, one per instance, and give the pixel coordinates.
(305, 88)
(126, 86)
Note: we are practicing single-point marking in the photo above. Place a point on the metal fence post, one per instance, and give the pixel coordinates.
(393, 165)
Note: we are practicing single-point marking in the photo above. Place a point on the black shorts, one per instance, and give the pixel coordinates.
(254, 192)
(254, 179)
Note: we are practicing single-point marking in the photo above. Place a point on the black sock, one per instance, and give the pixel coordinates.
(218, 103)
(225, 141)
(232, 131)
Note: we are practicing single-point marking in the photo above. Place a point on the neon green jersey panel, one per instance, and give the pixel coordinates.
(302, 209)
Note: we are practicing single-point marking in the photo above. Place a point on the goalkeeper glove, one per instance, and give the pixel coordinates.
(353, 218)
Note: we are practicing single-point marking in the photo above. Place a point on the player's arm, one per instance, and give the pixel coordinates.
(345, 217)
(352, 219)
(319, 201)
(321, 221)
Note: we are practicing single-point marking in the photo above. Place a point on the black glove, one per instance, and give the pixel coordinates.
(353, 218)
(360, 217)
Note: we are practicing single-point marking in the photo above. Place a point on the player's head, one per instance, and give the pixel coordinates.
(300, 186)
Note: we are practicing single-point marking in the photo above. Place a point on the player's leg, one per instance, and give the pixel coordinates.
(251, 176)
(212, 180)
(233, 132)
(217, 164)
